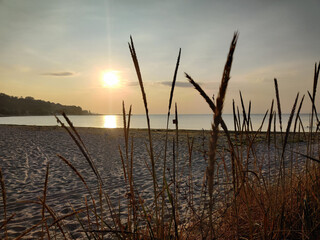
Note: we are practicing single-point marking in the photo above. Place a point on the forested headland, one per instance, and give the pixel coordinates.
(19, 106)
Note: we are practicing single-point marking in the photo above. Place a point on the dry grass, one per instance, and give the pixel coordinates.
(242, 200)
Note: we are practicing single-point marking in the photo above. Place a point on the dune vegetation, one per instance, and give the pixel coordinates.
(258, 185)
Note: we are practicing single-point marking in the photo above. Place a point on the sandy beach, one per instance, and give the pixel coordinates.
(25, 152)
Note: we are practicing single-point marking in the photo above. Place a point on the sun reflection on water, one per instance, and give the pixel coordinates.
(110, 121)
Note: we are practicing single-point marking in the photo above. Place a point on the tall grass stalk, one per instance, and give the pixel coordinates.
(43, 206)
(314, 91)
(78, 141)
(166, 138)
(136, 64)
(176, 159)
(282, 166)
(215, 126)
(128, 171)
(278, 104)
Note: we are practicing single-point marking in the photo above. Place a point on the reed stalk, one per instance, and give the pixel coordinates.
(215, 127)
(314, 91)
(190, 181)
(80, 177)
(213, 108)
(176, 159)
(28, 230)
(4, 223)
(137, 67)
(45, 188)
(174, 197)
(278, 104)
(245, 122)
(270, 123)
(282, 166)
(166, 138)
(128, 168)
(77, 139)
(54, 217)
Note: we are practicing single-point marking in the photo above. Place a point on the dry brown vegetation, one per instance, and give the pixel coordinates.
(253, 199)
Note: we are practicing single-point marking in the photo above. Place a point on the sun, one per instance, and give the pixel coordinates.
(110, 79)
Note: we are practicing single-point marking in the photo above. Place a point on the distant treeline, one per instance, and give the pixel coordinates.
(14, 106)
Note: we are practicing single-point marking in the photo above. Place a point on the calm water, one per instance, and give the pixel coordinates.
(158, 121)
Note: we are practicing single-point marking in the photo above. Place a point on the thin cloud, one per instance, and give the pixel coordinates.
(178, 84)
(59, 74)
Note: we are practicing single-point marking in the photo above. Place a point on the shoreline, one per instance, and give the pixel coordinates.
(144, 129)
(187, 122)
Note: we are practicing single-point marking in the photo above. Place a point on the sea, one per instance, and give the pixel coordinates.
(158, 121)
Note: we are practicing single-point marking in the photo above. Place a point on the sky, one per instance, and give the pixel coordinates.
(58, 51)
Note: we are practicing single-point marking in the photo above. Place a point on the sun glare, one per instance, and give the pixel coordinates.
(110, 121)
(110, 79)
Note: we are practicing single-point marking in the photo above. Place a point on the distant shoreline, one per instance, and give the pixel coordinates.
(186, 122)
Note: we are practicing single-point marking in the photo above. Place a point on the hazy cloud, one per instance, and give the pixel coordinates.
(59, 74)
(178, 84)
